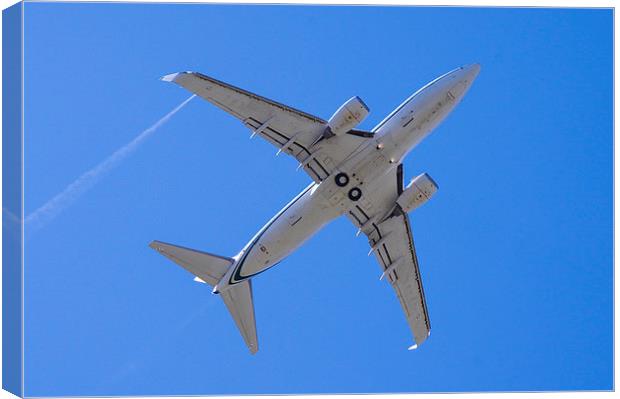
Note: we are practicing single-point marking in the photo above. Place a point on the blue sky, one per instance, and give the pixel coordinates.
(515, 249)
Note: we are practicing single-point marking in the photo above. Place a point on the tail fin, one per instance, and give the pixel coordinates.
(210, 269)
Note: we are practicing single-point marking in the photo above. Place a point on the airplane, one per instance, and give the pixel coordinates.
(355, 173)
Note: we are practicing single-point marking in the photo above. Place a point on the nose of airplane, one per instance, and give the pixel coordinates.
(464, 77)
(471, 71)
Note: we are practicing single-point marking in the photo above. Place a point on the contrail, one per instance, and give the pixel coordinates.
(43, 215)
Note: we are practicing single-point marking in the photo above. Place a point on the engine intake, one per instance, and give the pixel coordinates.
(420, 190)
(349, 115)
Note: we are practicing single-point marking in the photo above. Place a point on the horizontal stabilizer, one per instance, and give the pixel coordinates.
(238, 300)
(207, 267)
(210, 269)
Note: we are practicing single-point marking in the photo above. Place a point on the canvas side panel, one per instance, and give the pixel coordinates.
(12, 226)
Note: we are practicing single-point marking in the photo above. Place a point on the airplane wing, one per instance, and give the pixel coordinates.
(391, 241)
(293, 132)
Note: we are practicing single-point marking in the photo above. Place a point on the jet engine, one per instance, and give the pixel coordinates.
(420, 190)
(349, 115)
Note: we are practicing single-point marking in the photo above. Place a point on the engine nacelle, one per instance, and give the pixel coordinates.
(349, 115)
(420, 190)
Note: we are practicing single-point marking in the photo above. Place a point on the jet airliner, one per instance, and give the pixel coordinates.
(355, 173)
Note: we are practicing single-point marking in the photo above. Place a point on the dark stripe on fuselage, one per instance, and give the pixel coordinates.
(409, 121)
(236, 276)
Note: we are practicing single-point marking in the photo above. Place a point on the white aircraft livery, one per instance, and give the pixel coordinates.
(355, 173)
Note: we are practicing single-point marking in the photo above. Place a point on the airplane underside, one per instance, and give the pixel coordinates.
(355, 173)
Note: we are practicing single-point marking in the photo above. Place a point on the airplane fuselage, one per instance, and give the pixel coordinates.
(320, 203)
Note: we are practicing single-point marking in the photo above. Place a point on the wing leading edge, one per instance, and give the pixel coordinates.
(291, 131)
(398, 258)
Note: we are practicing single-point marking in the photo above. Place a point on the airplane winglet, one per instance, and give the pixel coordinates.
(170, 77)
